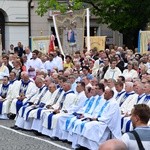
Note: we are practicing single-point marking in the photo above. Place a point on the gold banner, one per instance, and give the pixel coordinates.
(98, 42)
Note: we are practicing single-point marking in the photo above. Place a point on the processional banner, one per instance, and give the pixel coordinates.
(40, 43)
(97, 42)
(144, 45)
(71, 30)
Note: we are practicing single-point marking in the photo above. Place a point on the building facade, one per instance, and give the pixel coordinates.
(19, 22)
(13, 22)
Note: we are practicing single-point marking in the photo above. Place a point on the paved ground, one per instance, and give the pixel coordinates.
(26, 140)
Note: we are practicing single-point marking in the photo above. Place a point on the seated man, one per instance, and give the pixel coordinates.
(50, 106)
(143, 92)
(30, 104)
(76, 124)
(98, 129)
(140, 116)
(67, 100)
(12, 93)
(25, 90)
(4, 88)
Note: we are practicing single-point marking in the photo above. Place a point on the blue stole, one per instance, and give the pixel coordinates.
(27, 104)
(3, 94)
(39, 104)
(58, 95)
(61, 105)
(147, 98)
(75, 114)
(12, 81)
(42, 95)
(97, 102)
(99, 115)
(4, 90)
(39, 112)
(24, 86)
(23, 89)
(126, 95)
(89, 105)
(63, 98)
(119, 94)
(19, 104)
(1, 106)
(140, 97)
(86, 101)
(102, 109)
(56, 98)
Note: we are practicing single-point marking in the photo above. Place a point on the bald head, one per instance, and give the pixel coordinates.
(113, 144)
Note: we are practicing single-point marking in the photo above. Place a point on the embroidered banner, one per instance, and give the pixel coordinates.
(71, 30)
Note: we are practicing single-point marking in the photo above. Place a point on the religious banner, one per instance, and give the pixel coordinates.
(97, 42)
(40, 43)
(144, 43)
(71, 30)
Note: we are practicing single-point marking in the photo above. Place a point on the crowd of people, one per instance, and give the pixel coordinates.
(86, 99)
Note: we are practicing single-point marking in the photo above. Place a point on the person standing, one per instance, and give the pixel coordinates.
(52, 43)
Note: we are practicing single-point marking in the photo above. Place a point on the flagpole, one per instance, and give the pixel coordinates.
(58, 39)
(88, 28)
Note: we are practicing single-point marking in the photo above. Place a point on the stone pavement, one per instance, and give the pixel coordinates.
(26, 140)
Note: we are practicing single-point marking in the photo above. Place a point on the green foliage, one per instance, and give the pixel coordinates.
(45, 5)
(125, 16)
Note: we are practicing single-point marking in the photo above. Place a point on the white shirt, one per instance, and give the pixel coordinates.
(112, 73)
(29, 56)
(49, 65)
(58, 62)
(130, 74)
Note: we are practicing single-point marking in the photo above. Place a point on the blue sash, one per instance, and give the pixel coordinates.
(147, 98)
(140, 97)
(50, 120)
(27, 104)
(102, 109)
(23, 87)
(4, 90)
(99, 115)
(63, 98)
(19, 104)
(1, 106)
(27, 115)
(97, 102)
(12, 81)
(128, 126)
(125, 97)
(68, 122)
(42, 95)
(89, 105)
(119, 94)
(60, 107)
(39, 112)
(86, 101)
(58, 95)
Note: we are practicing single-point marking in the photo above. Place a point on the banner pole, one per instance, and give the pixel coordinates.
(58, 39)
(88, 28)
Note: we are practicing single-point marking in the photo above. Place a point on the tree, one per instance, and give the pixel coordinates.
(125, 16)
